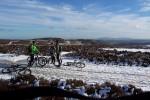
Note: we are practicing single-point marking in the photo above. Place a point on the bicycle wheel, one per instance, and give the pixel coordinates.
(6, 71)
(80, 65)
(42, 61)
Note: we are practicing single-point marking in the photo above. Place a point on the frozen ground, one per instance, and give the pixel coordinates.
(138, 76)
(126, 49)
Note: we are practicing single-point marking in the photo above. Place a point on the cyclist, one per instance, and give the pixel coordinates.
(52, 53)
(58, 50)
(32, 50)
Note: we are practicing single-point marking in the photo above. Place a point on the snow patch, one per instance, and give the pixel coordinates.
(126, 49)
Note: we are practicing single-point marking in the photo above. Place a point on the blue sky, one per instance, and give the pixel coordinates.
(24, 19)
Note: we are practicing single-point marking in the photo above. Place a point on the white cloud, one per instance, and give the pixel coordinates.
(69, 21)
(145, 6)
(124, 10)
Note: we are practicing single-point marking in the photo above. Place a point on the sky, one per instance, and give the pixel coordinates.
(72, 19)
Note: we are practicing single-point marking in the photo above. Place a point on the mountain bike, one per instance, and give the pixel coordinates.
(38, 61)
(20, 69)
(48, 60)
(75, 63)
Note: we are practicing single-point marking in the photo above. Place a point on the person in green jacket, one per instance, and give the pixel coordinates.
(32, 50)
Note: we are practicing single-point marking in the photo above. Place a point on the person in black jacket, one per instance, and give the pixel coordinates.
(52, 53)
(58, 50)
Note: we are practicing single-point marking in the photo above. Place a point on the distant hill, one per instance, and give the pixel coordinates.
(127, 41)
(48, 38)
(100, 41)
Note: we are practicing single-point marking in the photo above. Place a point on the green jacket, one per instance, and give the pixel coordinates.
(33, 49)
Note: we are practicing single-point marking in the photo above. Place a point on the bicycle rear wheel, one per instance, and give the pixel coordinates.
(80, 65)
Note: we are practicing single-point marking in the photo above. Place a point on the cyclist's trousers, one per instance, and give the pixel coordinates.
(31, 59)
(58, 59)
(53, 59)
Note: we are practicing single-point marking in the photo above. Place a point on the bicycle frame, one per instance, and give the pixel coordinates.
(35, 61)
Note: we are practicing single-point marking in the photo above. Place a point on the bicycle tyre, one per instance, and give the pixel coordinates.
(42, 61)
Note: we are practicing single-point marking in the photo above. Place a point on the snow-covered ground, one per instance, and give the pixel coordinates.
(147, 45)
(126, 49)
(138, 76)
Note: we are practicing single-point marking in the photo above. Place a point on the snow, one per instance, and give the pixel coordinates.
(63, 53)
(127, 49)
(147, 45)
(36, 83)
(12, 58)
(137, 76)
(121, 75)
(62, 84)
(96, 95)
(5, 76)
